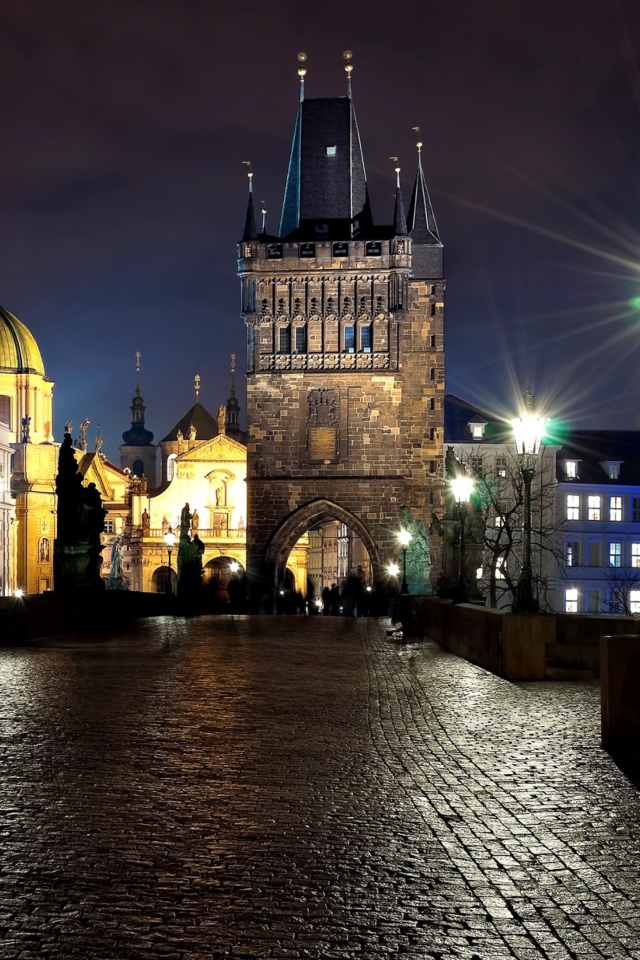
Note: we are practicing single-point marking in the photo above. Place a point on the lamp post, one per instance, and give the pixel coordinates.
(404, 538)
(169, 539)
(462, 488)
(528, 431)
(393, 570)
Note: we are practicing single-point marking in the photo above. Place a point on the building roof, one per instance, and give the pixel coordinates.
(326, 191)
(19, 351)
(206, 425)
(458, 414)
(593, 450)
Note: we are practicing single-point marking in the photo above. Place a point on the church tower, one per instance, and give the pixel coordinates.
(138, 452)
(345, 358)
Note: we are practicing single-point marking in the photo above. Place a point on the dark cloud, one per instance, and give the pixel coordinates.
(122, 188)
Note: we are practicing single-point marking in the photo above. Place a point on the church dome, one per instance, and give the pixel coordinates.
(19, 351)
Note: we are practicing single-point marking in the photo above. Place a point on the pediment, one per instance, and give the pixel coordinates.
(218, 449)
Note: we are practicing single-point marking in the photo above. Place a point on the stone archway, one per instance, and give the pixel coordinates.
(297, 523)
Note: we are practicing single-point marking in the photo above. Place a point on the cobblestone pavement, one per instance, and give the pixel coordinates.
(287, 787)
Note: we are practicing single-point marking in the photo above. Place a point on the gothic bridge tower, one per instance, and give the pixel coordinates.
(345, 357)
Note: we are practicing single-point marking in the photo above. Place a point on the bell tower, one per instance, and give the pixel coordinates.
(345, 358)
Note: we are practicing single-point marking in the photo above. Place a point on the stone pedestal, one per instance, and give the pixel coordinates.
(620, 704)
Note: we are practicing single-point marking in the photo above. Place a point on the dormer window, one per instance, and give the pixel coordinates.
(613, 469)
(571, 469)
(331, 151)
(477, 428)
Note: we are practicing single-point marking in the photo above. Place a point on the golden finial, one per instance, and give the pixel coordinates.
(264, 215)
(247, 163)
(397, 170)
(347, 56)
(196, 383)
(137, 361)
(302, 72)
(233, 362)
(419, 143)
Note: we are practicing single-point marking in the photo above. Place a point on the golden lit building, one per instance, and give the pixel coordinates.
(26, 407)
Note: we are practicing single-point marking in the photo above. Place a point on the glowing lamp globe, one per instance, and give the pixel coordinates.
(234, 566)
(404, 537)
(462, 488)
(169, 538)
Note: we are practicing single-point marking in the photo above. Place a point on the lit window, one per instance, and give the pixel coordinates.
(108, 526)
(573, 554)
(615, 508)
(498, 519)
(284, 340)
(477, 431)
(571, 600)
(501, 466)
(500, 570)
(614, 471)
(594, 508)
(365, 338)
(635, 554)
(350, 339)
(573, 506)
(331, 151)
(634, 601)
(572, 469)
(301, 339)
(615, 554)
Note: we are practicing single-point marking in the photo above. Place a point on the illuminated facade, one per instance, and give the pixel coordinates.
(26, 407)
(345, 352)
(6, 512)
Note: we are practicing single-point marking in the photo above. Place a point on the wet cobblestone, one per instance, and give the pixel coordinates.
(288, 788)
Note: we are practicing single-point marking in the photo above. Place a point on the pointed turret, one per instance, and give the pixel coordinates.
(423, 230)
(138, 452)
(232, 410)
(422, 222)
(250, 232)
(399, 219)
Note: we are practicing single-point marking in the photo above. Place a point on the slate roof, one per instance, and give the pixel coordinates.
(594, 449)
(206, 425)
(458, 414)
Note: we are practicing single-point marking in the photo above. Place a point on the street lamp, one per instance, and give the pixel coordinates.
(404, 538)
(393, 569)
(169, 539)
(528, 431)
(234, 566)
(462, 488)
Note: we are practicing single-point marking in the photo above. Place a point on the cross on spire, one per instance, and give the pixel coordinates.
(137, 361)
(196, 383)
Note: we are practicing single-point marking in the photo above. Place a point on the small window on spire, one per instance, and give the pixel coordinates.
(331, 151)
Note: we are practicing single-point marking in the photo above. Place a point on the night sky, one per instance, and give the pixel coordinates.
(122, 188)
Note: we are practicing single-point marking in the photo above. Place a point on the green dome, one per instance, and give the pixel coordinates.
(19, 351)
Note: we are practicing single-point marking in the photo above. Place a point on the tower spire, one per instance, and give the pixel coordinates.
(263, 211)
(196, 385)
(421, 221)
(399, 219)
(233, 375)
(250, 232)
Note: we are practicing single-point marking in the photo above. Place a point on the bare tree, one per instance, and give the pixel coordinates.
(499, 499)
(621, 582)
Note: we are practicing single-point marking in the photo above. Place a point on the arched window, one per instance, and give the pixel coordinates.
(138, 468)
(301, 339)
(365, 338)
(171, 465)
(349, 337)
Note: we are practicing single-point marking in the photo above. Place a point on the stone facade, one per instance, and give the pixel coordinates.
(350, 416)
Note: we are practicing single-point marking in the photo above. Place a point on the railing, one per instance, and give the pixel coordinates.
(205, 533)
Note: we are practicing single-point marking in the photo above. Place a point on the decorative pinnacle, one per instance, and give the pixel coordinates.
(233, 362)
(233, 375)
(529, 398)
(247, 163)
(264, 216)
(302, 72)
(347, 56)
(196, 383)
(137, 361)
(397, 171)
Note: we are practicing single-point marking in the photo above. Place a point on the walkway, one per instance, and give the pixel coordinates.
(288, 787)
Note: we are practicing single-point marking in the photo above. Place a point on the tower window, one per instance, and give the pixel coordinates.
(365, 338)
(284, 340)
(350, 339)
(171, 466)
(5, 410)
(301, 339)
(433, 309)
(331, 151)
(432, 373)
